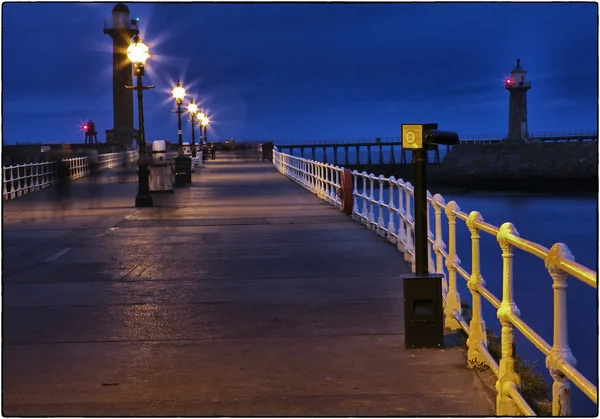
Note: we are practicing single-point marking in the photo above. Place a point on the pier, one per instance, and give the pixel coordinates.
(240, 295)
(246, 294)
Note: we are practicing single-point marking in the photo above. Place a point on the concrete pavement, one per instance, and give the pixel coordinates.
(242, 294)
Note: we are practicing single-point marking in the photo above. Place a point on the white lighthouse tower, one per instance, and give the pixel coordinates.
(517, 108)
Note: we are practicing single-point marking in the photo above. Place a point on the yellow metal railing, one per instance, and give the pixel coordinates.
(323, 179)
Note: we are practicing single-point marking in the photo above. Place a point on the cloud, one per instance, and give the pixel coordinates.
(561, 103)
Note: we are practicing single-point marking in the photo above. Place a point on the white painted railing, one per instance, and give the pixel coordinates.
(22, 179)
(323, 179)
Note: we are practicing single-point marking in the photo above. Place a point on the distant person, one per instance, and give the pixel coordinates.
(213, 150)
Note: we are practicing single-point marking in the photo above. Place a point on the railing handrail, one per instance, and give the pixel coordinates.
(323, 179)
(21, 179)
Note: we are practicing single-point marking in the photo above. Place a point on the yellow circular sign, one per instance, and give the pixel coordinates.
(410, 137)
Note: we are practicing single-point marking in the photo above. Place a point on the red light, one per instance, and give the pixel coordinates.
(508, 81)
(85, 127)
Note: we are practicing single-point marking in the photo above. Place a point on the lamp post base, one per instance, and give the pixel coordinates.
(144, 201)
(143, 197)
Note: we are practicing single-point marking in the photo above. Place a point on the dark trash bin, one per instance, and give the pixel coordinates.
(423, 311)
(183, 170)
(267, 151)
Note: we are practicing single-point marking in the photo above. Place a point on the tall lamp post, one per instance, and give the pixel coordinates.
(205, 122)
(192, 109)
(138, 53)
(200, 118)
(179, 94)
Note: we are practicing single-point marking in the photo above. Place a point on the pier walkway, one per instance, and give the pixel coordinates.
(242, 294)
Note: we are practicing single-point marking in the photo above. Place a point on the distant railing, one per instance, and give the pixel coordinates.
(22, 179)
(340, 141)
(129, 24)
(542, 136)
(324, 180)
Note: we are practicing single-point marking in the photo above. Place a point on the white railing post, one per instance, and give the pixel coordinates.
(507, 376)
(320, 179)
(452, 298)
(380, 221)
(401, 245)
(409, 254)
(391, 211)
(371, 219)
(355, 213)
(365, 208)
(560, 352)
(439, 244)
(477, 329)
(336, 198)
(4, 183)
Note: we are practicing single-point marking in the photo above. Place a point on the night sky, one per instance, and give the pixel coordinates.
(282, 72)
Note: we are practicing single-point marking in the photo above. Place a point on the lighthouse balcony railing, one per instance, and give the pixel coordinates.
(22, 179)
(384, 206)
(129, 24)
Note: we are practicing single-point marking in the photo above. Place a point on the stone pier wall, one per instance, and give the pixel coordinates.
(537, 167)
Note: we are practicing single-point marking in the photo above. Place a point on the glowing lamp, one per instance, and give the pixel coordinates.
(508, 81)
(85, 127)
(205, 121)
(201, 116)
(178, 91)
(192, 107)
(137, 52)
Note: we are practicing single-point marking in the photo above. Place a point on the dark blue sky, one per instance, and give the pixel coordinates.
(304, 71)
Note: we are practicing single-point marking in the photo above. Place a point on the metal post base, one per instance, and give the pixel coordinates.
(144, 201)
(423, 311)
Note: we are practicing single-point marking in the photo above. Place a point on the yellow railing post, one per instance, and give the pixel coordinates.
(507, 375)
(452, 298)
(477, 330)
(561, 388)
(430, 237)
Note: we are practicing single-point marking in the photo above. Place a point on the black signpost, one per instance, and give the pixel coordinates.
(423, 312)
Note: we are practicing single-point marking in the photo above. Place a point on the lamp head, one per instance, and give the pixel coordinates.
(178, 91)
(138, 52)
(192, 107)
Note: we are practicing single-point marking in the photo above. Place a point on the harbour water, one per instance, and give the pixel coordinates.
(545, 220)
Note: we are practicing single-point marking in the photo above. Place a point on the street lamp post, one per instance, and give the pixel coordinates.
(138, 53)
(200, 118)
(179, 94)
(205, 122)
(192, 109)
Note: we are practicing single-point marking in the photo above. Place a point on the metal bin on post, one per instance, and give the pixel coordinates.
(160, 171)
